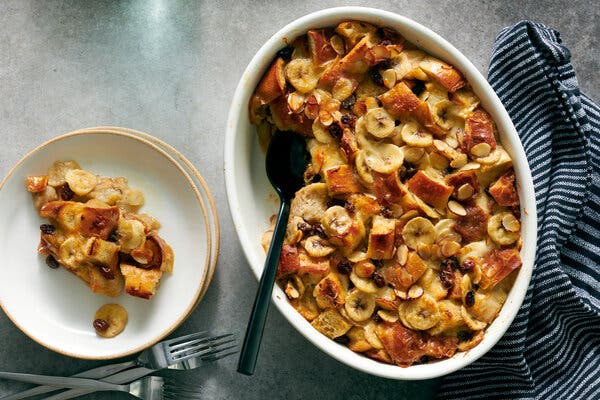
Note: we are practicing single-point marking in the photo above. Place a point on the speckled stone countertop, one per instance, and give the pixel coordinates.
(169, 68)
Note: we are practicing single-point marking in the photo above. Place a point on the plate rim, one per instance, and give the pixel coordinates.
(189, 308)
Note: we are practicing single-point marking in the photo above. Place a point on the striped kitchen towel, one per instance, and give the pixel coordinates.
(552, 349)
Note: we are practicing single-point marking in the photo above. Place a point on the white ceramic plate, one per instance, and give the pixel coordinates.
(201, 185)
(250, 194)
(54, 307)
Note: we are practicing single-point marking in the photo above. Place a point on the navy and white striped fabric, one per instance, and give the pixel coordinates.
(552, 349)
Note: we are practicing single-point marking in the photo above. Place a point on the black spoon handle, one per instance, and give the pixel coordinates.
(256, 325)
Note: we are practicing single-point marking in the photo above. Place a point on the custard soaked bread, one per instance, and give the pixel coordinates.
(96, 233)
(403, 242)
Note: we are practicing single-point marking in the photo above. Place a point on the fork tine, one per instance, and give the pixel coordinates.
(197, 341)
(217, 355)
(200, 349)
(191, 336)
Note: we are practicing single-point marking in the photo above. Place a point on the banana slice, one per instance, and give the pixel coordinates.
(417, 231)
(359, 305)
(321, 133)
(301, 73)
(419, 314)
(384, 157)
(317, 247)
(371, 335)
(379, 123)
(499, 234)
(362, 169)
(80, 181)
(336, 221)
(69, 252)
(444, 230)
(471, 322)
(365, 285)
(441, 111)
(131, 234)
(58, 171)
(414, 135)
(362, 135)
(110, 320)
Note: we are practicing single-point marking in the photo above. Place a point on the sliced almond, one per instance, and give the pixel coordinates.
(401, 294)
(460, 161)
(481, 149)
(389, 78)
(510, 223)
(448, 248)
(402, 254)
(296, 102)
(465, 191)
(452, 142)
(456, 208)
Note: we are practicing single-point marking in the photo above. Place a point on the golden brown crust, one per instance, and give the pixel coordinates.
(401, 241)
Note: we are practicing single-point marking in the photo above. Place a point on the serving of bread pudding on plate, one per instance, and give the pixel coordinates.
(96, 232)
(404, 242)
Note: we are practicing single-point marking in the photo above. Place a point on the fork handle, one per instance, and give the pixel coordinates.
(94, 373)
(60, 381)
(122, 377)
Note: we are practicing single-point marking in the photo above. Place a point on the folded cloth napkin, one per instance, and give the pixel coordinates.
(552, 349)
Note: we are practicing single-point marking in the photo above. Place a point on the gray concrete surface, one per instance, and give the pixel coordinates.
(169, 68)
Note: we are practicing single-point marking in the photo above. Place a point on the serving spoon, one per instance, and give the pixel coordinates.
(286, 161)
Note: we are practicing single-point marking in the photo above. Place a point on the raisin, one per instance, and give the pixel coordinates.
(51, 262)
(304, 227)
(349, 207)
(397, 122)
(467, 266)
(107, 272)
(447, 276)
(385, 64)
(349, 102)
(418, 88)
(376, 76)
(335, 130)
(348, 119)
(386, 212)
(100, 325)
(378, 279)
(285, 53)
(377, 318)
(470, 298)
(65, 192)
(344, 267)
(342, 340)
(335, 202)
(450, 262)
(47, 228)
(408, 171)
(113, 237)
(319, 231)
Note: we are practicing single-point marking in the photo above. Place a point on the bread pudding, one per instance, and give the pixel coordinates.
(404, 242)
(96, 232)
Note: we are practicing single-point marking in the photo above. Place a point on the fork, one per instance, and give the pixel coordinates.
(185, 352)
(135, 373)
(148, 388)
